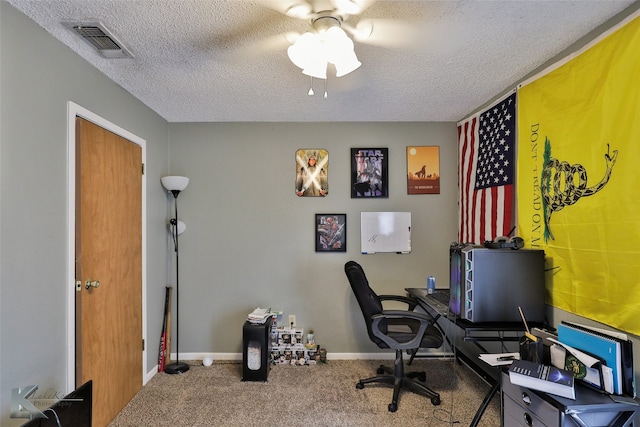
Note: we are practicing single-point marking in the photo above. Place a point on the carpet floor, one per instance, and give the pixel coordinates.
(315, 395)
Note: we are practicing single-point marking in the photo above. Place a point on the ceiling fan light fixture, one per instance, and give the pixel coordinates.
(301, 53)
(312, 52)
(317, 69)
(347, 66)
(335, 39)
(337, 45)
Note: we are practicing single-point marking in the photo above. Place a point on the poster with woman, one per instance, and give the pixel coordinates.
(312, 167)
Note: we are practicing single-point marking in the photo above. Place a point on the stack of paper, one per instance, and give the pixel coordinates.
(259, 315)
(593, 370)
(498, 359)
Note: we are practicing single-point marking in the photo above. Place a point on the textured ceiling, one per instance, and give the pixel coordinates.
(226, 60)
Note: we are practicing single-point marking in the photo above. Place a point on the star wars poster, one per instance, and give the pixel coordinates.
(369, 173)
(312, 167)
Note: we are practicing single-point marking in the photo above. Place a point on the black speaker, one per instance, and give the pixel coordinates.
(505, 243)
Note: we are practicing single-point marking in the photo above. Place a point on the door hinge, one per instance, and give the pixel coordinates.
(142, 344)
(143, 169)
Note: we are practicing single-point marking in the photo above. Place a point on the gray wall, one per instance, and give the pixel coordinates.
(38, 76)
(250, 240)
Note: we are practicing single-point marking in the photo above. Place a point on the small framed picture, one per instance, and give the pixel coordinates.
(369, 173)
(423, 170)
(331, 232)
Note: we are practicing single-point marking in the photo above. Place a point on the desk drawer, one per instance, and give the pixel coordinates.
(517, 415)
(529, 402)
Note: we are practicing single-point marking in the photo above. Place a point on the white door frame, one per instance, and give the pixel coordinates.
(73, 111)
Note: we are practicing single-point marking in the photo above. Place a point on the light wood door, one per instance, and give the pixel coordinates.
(108, 251)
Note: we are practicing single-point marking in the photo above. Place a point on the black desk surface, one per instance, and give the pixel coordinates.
(421, 295)
(467, 348)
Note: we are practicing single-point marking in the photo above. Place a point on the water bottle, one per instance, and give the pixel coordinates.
(431, 284)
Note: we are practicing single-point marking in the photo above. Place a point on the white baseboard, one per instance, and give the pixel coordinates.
(330, 356)
(387, 355)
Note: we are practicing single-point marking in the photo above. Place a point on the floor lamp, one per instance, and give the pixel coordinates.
(175, 184)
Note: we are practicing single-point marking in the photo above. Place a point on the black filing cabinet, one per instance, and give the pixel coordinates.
(256, 350)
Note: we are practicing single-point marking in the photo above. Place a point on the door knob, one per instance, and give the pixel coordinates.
(91, 284)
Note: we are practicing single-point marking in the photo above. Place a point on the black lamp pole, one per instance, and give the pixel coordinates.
(177, 367)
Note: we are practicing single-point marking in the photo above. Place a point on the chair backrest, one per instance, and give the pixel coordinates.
(367, 299)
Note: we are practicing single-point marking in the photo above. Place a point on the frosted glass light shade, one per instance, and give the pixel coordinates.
(174, 183)
(313, 51)
(317, 69)
(348, 64)
(303, 51)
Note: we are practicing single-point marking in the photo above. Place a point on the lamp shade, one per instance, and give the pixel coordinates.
(174, 183)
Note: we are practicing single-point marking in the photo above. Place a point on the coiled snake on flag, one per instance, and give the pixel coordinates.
(562, 174)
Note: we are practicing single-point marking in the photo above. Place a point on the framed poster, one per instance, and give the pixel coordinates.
(423, 170)
(369, 173)
(312, 167)
(331, 232)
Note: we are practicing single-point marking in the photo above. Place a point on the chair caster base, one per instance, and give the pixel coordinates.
(435, 400)
(393, 407)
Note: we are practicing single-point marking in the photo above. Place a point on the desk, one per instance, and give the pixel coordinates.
(468, 342)
(545, 409)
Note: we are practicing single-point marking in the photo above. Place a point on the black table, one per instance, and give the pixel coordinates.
(468, 340)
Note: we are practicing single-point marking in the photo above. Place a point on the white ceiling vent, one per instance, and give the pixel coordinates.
(97, 35)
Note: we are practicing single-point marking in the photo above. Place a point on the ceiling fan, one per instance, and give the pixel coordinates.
(334, 27)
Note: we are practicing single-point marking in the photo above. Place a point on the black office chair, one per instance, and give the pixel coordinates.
(396, 329)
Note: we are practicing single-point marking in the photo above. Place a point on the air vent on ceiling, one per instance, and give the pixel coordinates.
(96, 34)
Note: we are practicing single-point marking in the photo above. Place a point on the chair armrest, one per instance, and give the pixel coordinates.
(410, 301)
(424, 319)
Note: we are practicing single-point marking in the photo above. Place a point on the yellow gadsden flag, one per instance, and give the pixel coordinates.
(578, 178)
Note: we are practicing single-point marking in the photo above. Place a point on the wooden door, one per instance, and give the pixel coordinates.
(108, 251)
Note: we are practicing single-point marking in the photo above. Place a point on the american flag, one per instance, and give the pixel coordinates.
(486, 169)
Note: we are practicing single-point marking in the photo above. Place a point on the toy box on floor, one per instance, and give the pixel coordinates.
(287, 347)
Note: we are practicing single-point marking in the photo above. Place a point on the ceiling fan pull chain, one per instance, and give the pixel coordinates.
(311, 93)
